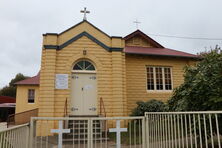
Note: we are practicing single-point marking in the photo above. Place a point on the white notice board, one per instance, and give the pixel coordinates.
(61, 81)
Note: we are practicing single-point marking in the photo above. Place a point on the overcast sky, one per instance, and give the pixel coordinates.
(22, 23)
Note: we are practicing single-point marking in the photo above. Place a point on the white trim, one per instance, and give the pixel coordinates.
(87, 118)
(159, 91)
(171, 73)
(14, 127)
(163, 77)
(83, 71)
(154, 77)
(189, 112)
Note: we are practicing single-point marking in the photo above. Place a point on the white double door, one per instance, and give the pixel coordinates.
(83, 94)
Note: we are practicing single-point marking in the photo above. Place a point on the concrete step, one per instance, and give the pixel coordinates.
(81, 141)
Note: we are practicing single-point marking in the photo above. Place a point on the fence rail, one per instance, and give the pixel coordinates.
(184, 129)
(15, 137)
(22, 117)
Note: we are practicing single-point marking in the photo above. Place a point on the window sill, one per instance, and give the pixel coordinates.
(159, 91)
(31, 103)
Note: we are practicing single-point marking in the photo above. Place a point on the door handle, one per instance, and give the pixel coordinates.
(92, 109)
(74, 109)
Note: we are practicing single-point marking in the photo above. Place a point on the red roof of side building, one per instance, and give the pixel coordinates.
(30, 81)
(6, 99)
(158, 52)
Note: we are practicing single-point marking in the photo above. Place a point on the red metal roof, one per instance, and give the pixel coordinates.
(30, 81)
(157, 52)
(7, 99)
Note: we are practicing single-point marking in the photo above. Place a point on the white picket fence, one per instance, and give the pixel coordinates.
(15, 137)
(184, 129)
(154, 130)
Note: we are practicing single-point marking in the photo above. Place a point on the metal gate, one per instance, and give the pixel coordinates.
(47, 132)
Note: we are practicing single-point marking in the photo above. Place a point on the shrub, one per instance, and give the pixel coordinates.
(149, 106)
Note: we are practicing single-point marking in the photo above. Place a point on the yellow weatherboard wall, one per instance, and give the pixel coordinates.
(136, 78)
(22, 98)
(110, 69)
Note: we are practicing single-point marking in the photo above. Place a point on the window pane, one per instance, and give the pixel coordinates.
(168, 81)
(90, 67)
(150, 78)
(87, 64)
(159, 78)
(81, 64)
(76, 67)
(31, 96)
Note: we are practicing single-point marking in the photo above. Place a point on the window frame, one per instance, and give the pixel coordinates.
(84, 71)
(163, 78)
(28, 97)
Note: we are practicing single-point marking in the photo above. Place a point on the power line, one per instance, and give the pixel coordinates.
(186, 37)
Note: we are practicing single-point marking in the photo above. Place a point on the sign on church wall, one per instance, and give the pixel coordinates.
(61, 81)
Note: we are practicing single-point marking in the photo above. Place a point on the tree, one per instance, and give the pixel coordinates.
(10, 90)
(202, 87)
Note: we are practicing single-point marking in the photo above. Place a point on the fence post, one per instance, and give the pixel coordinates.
(89, 133)
(27, 137)
(31, 133)
(144, 134)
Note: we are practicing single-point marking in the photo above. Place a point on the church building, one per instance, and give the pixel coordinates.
(86, 72)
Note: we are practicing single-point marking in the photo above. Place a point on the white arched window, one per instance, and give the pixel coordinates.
(84, 65)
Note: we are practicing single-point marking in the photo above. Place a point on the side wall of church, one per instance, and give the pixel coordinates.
(136, 77)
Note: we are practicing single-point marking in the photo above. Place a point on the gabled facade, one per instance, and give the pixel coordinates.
(89, 73)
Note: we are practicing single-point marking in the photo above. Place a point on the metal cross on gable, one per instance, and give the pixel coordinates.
(60, 131)
(85, 12)
(137, 23)
(118, 131)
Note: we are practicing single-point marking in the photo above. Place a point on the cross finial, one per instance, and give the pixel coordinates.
(137, 23)
(84, 11)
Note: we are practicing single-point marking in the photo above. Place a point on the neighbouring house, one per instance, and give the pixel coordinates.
(85, 72)
(7, 107)
(27, 94)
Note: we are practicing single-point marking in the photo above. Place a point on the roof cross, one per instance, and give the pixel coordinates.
(137, 23)
(85, 12)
